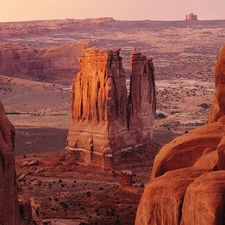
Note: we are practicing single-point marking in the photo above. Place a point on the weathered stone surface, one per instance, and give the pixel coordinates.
(103, 117)
(218, 106)
(186, 150)
(126, 178)
(10, 212)
(163, 196)
(205, 200)
(9, 208)
(52, 63)
(200, 151)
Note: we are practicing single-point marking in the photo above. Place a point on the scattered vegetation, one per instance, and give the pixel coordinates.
(175, 112)
(13, 113)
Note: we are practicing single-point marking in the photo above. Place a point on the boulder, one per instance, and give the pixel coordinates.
(191, 149)
(205, 200)
(162, 200)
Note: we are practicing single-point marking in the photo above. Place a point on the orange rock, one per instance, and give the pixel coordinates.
(162, 200)
(204, 200)
(187, 150)
(218, 106)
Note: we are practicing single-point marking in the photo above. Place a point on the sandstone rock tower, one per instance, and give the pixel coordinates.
(104, 120)
(10, 208)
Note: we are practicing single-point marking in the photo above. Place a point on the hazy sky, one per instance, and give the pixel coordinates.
(20, 10)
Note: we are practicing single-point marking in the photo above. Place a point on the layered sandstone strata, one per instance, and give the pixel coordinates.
(10, 211)
(187, 181)
(50, 63)
(104, 119)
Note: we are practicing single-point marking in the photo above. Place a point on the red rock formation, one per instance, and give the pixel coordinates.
(103, 122)
(187, 150)
(126, 178)
(44, 63)
(191, 17)
(170, 198)
(204, 200)
(10, 213)
(218, 106)
(163, 196)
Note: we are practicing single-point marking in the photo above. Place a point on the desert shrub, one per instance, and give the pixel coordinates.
(88, 193)
(159, 116)
(175, 112)
(12, 113)
(64, 204)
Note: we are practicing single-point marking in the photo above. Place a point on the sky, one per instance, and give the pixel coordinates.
(23, 10)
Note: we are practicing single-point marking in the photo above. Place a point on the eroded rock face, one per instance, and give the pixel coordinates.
(104, 119)
(218, 106)
(50, 64)
(187, 181)
(10, 212)
(163, 197)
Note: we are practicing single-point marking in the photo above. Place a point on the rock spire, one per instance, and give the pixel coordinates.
(104, 120)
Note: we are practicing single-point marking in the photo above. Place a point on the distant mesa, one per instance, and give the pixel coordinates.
(191, 17)
(105, 121)
(44, 64)
(15, 207)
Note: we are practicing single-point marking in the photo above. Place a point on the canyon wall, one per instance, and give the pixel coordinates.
(187, 182)
(12, 211)
(46, 64)
(104, 120)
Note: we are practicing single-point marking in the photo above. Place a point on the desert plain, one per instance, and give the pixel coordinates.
(184, 55)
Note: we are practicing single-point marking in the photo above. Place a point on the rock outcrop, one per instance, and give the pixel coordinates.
(187, 182)
(49, 64)
(104, 119)
(218, 106)
(10, 212)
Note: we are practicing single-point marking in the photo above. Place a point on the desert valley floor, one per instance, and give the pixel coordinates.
(184, 55)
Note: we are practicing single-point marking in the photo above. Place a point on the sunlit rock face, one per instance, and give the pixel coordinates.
(218, 106)
(104, 120)
(187, 181)
(11, 212)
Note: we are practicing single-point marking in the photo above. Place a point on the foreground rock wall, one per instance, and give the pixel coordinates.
(50, 64)
(104, 119)
(187, 184)
(10, 211)
(218, 106)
